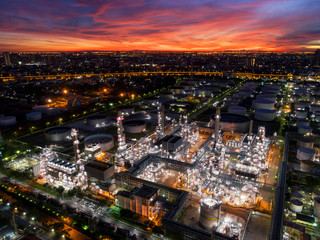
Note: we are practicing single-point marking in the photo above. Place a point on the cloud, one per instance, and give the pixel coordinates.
(158, 24)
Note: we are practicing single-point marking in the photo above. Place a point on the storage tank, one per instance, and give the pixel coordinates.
(315, 193)
(233, 122)
(237, 110)
(126, 110)
(305, 153)
(301, 114)
(307, 166)
(33, 116)
(304, 130)
(303, 122)
(134, 126)
(166, 95)
(262, 104)
(317, 116)
(301, 105)
(77, 103)
(297, 189)
(305, 142)
(316, 205)
(264, 115)
(53, 111)
(314, 108)
(40, 108)
(210, 209)
(8, 120)
(269, 97)
(178, 90)
(316, 91)
(98, 120)
(151, 101)
(296, 195)
(230, 102)
(57, 134)
(104, 141)
(296, 205)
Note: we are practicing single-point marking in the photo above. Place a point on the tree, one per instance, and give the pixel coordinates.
(60, 190)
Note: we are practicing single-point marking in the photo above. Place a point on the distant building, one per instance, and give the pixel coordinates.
(317, 58)
(6, 57)
(140, 200)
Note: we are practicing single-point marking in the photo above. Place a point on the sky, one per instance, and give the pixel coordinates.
(176, 25)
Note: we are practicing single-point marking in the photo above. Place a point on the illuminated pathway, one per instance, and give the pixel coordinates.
(175, 73)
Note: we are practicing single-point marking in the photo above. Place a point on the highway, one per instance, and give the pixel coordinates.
(175, 73)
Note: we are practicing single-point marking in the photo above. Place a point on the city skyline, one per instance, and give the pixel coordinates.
(160, 26)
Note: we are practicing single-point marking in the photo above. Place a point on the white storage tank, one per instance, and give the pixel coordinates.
(297, 189)
(262, 104)
(237, 110)
(33, 116)
(305, 142)
(8, 120)
(264, 114)
(210, 209)
(301, 114)
(40, 108)
(315, 193)
(296, 195)
(269, 97)
(307, 166)
(104, 141)
(316, 205)
(134, 126)
(305, 153)
(303, 122)
(304, 130)
(166, 95)
(296, 205)
(53, 111)
(315, 108)
(230, 102)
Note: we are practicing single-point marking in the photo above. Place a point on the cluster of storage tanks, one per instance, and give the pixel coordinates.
(264, 103)
(297, 197)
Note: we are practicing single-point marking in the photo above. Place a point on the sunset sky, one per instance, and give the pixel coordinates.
(67, 25)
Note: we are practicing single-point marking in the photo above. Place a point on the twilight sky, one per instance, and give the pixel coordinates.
(67, 25)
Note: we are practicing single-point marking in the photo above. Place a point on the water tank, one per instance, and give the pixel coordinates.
(316, 205)
(305, 153)
(264, 114)
(8, 120)
(304, 130)
(33, 116)
(262, 104)
(237, 110)
(209, 212)
(296, 205)
(53, 111)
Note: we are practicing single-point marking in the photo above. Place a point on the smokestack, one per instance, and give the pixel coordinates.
(121, 137)
(217, 123)
(74, 134)
(250, 127)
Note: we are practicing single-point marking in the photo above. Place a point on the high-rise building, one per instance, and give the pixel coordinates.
(6, 56)
(316, 58)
